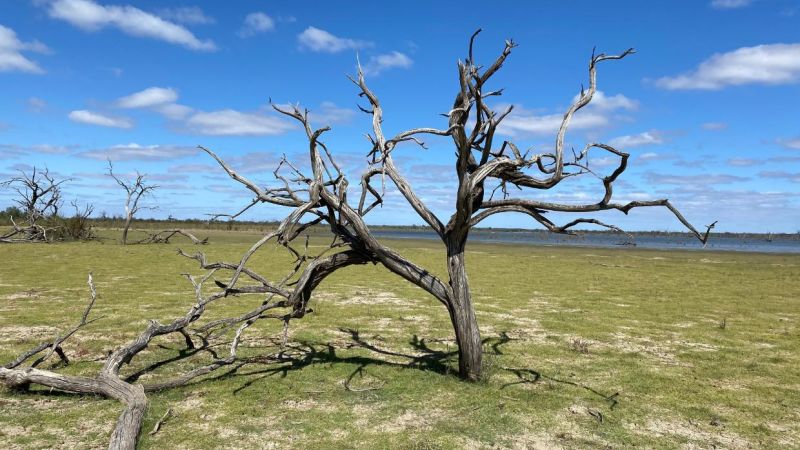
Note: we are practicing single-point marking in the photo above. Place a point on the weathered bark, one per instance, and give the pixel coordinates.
(462, 316)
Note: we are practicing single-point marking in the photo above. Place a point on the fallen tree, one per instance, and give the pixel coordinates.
(163, 237)
(320, 197)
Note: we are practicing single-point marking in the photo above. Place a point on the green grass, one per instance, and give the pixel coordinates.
(649, 325)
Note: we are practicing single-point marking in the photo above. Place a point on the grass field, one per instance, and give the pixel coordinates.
(700, 348)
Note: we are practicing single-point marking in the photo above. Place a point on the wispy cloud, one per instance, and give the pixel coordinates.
(730, 4)
(652, 137)
(149, 97)
(8, 151)
(36, 104)
(763, 64)
(327, 113)
(698, 180)
(229, 122)
(255, 23)
(11, 57)
(743, 162)
(91, 16)
(715, 126)
(133, 151)
(393, 60)
(93, 118)
(318, 40)
(794, 177)
(791, 144)
(190, 15)
(596, 115)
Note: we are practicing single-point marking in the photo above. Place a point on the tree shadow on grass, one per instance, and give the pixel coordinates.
(301, 354)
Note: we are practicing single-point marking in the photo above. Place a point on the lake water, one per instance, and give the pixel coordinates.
(775, 244)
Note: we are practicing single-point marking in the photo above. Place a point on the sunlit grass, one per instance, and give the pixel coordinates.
(649, 324)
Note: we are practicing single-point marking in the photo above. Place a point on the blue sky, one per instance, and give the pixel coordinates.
(707, 107)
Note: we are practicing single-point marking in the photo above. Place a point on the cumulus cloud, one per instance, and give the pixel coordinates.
(651, 137)
(137, 152)
(393, 60)
(93, 118)
(229, 122)
(190, 15)
(255, 23)
(318, 40)
(763, 64)
(11, 57)
(730, 4)
(149, 97)
(90, 16)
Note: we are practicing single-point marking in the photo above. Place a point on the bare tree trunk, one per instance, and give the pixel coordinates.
(462, 315)
(125, 229)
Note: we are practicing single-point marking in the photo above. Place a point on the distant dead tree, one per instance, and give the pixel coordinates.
(135, 189)
(38, 195)
(482, 168)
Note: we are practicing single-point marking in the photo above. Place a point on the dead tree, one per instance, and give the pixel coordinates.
(320, 197)
(39, 197)
(135, 189)
(484, 167)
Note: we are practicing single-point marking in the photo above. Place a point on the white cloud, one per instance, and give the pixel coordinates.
(596, 114)
(604, 102)
(133, 151)
(93, 118)
(174, 111)
(715, 126)
(228, 122)
(90, 16)
(530, 124)
(378, 64)
(791, 144)
(763, 64)
(148, 98)
(255, 23)
(318, 40)
(11, 48)
(651, 137)
(190, 15)
(730, 4)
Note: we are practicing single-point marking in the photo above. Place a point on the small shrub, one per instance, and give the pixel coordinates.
(579, 345)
